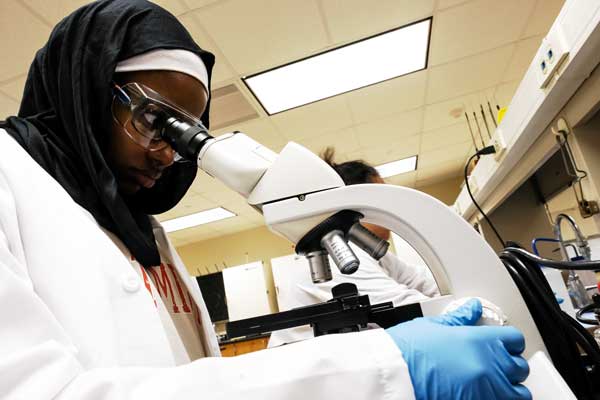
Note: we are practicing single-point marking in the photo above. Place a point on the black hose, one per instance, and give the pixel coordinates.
(567, 265)
(563, 336)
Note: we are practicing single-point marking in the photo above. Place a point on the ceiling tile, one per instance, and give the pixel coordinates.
(477, 26)
(468, 74)
(175, 7)
(390, 129)
(521, 59)
(261, 34)
(14, 87)
(450, 112)
(449, 3)
(207, 184)
(352, 156)
(261, 130)
(231, 201)
(456, 152)
(22, 35)
(391, 151)
(256, 218)
(193, 234)
(543, 17)
(504, 92)
(407, 179)
(390, 97)
(190, 204)
(232, 225)
(7, 106)
(444, 113)
(343, 141)
(196, 4)
(443, 137)
(350, 20)
(221, 72)
(313, 119)
(54, 11)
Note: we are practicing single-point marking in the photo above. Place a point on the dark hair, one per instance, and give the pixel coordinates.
(352, 172)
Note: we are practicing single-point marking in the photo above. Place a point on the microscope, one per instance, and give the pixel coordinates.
(304, 200)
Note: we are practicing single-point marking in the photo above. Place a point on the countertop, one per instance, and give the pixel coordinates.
(243, 339)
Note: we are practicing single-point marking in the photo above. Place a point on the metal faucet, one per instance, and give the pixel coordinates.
(580, 239)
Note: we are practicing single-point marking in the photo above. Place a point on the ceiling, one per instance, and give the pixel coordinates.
(479, 51)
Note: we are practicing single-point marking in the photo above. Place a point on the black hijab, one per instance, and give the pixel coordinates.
(65, 118)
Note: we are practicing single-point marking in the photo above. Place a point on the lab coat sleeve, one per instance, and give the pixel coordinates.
(38, 360)
(357, 366)
(416, 277)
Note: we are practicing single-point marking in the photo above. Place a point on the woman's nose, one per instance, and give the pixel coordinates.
(164, 157)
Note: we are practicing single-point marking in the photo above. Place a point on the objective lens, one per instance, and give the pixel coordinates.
(340, 252)
(372, 244)
(320, 271)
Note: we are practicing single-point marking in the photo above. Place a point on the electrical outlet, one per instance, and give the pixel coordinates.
(551, 54)
(499, 144)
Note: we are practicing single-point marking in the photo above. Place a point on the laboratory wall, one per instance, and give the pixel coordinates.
(520, 218)
(244, 247)
(445, 191)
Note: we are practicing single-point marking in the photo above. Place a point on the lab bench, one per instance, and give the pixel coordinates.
(238, 346)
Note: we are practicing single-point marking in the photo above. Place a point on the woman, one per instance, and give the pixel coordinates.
(95, 302)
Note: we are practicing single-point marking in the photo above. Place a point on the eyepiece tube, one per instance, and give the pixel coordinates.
(186, 139)
(340, 252)
(320, 271)
(372, 244)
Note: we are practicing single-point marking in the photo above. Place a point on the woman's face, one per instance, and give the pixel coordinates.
(133, 166)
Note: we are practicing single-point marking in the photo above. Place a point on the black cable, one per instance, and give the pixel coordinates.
(485, 150)
(566, 265)
(563, 336)
(579, 315)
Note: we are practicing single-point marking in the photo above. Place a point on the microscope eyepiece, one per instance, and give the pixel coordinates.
(185, 138)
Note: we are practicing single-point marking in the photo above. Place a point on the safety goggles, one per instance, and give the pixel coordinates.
(142, 113)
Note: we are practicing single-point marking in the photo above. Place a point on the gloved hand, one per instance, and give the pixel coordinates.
(449, 358)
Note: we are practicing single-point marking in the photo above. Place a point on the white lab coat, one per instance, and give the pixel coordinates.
(389, 279)
(77, 323)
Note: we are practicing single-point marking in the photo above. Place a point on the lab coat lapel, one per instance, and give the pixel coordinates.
(211, 345)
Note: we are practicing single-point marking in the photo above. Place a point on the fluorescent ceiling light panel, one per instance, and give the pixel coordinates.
(369, 61)
(397, 167)
(203, 217)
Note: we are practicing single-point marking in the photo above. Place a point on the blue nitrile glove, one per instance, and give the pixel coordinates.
(450, 358)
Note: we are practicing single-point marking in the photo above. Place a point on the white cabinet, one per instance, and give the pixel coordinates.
(246, 291)
(288, 273)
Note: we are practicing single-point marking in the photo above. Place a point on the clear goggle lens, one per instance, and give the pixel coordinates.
(139, 107)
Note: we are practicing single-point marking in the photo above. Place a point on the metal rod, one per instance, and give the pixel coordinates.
(478, 129)
(492, 114)
(471, 131)
(487, 128)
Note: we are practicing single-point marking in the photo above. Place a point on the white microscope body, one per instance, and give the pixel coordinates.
(296, 191)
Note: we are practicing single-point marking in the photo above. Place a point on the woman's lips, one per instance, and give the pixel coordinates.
(144, 180)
